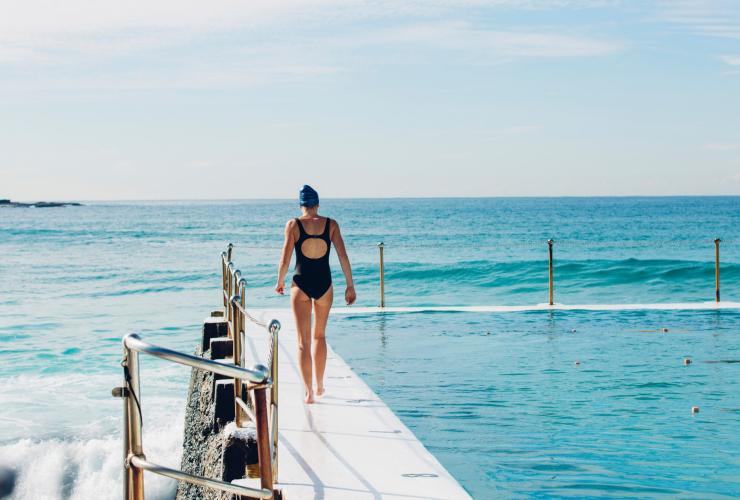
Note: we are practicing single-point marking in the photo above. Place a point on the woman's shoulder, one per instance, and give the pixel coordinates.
(333, 227)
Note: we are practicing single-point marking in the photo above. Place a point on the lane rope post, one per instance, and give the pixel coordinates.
(381, 246)
(716, 268)
(551, 279)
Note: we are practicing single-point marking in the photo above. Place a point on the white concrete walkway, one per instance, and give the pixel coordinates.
(349, 444)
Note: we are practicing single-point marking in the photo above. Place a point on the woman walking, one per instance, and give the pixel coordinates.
(312, 235)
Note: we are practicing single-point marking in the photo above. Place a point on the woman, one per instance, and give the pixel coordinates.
(312, 236)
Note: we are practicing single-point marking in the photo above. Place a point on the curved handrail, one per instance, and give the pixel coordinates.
(259, 374)
(258, 380)
(144, 464)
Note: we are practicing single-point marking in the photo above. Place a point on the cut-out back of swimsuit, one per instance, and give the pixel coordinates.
(312, 276)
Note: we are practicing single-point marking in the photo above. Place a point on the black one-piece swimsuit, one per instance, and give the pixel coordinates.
(313, 276)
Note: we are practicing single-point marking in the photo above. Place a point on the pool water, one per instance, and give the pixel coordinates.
(562, 403)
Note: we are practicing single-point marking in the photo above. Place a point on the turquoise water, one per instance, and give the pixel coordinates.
(520, 404)
(75, 280)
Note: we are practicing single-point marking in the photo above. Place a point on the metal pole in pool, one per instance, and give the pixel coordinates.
(381, 245)
(716, 267)
(552, 283)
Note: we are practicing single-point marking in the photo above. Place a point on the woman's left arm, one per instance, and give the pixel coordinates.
(336, 238)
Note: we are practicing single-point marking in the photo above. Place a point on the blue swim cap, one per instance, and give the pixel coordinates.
(308, 197)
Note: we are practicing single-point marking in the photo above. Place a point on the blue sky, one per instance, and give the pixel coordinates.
(160, 99)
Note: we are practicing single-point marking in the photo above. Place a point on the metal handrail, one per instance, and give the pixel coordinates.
(257, 375)
(258, 379)
(135, 462)
(144, 464)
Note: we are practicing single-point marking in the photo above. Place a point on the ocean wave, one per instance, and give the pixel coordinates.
(129, 291)
(584, 273)
(58, 469)
(59, 454)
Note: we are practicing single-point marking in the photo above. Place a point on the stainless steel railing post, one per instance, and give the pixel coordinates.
(242, 292)
(236, 336)
(381, 247)
(223, 280)
(134, 475)
(551, 277)
(126, 425)
(716, 268)
(263, 438)
(229, 288)
(274, 330)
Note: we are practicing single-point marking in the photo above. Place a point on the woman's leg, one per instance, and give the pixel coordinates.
(321, 308)
(302, 311)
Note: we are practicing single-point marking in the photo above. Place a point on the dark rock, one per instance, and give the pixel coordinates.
(53, 204)
(39, 204)
(223, 408)
(213, 327)
(7, 479)
(222, 347)
(215, 377)
(239, 451)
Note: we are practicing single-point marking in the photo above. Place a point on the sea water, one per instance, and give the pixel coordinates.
(532, 403)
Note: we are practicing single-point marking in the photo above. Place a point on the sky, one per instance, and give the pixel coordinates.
(225, 99)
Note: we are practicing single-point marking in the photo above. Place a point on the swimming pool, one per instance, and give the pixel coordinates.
(562, 403)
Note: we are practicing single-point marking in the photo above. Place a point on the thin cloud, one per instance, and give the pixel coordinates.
(731, 60)
(198, 77)
(709, 18)
(33, 18)
(166, 43)
(10, 53)
(717, 146)
(462, 36)
(45, 30)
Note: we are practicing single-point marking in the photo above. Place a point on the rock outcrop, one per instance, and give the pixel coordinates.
(38, 204)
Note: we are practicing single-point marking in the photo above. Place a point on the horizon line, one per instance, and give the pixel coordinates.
(456, 197)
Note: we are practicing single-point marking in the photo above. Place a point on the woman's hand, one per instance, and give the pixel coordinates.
(349, 295)
(280, 288)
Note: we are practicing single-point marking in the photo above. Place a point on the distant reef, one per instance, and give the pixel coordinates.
(39, 204)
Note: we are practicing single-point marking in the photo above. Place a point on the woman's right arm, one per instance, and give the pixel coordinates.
(284, 263)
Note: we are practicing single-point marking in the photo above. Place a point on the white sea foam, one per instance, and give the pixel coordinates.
(87, 469)
(71, 446)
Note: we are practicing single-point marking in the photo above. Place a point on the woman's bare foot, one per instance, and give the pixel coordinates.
(309, 398)
(320, 391)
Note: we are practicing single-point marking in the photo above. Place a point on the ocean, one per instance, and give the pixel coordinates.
(526, 404)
